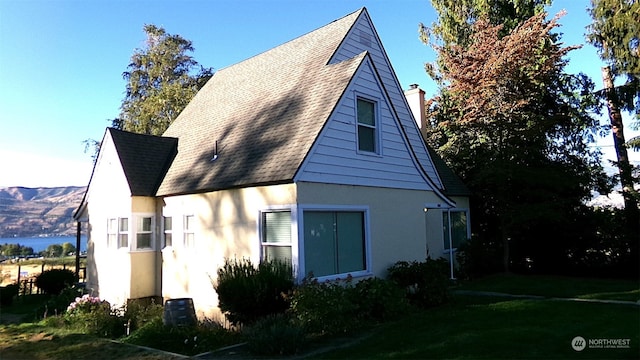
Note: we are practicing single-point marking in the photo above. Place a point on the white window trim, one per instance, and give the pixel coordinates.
(446, 212)
(186, 231)
(133, 240)
(111, 231)
(119, 232)
(163, 232)
(378, 124)
(294, 234)
(367, 239)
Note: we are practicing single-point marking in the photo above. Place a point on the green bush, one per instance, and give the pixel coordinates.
(139, 312)
(55, 280)
(188, 340)
(7, 293)
(379, 299)
(96, 317)
(339, 306)
(277, 334)
(478, 257)
(426, 283)
(247, 293)
(58, 304)
(325, 307)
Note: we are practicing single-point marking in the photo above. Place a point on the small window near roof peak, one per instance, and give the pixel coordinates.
(367, 126)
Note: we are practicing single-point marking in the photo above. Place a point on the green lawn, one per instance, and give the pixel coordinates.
(557, 286)
(43, 340)
(495, 328)
(470, 327)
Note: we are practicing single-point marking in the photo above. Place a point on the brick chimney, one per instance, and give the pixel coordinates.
(415, 98)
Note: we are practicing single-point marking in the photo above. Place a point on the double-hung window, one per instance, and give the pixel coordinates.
(334, 242)
(144, 233)
(167, 231)
(189, 231)
(123, 232)
(367, 126)
(276, 236)
(112, 233)
(458, 228)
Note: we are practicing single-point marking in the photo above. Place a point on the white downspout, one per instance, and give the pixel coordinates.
(450, 243)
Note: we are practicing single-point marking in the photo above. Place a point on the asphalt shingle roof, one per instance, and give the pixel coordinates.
(144, 159)
(453, 185)
(263, 113)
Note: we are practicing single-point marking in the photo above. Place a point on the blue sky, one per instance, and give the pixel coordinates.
(61, 62)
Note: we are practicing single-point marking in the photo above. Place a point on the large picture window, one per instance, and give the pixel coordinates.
(276, 236)
(334, 242)
(458, 228)
(367, 132)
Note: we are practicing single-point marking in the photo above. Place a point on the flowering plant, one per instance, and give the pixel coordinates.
(84, 304)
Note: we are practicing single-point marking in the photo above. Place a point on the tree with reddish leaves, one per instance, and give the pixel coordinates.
(517, 129)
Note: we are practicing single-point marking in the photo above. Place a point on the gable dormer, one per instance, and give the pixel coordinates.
(363, 37)
(363, 142)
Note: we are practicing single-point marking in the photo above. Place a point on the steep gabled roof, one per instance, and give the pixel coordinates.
(254, 122)
(453, 185)
(144, 159)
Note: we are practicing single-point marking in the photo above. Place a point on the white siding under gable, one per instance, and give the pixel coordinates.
(335, 158)
(363, 37)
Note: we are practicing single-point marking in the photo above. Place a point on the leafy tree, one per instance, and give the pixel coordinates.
(53, 250)
(68, 248)
(514, 125)
(26, 250)
(615, 31)
(456, 17)
(160, 82)
(11, 249)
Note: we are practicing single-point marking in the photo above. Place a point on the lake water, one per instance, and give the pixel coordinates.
(41, 243)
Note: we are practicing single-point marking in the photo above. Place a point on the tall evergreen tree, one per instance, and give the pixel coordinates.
(160, 82)
(615, 31)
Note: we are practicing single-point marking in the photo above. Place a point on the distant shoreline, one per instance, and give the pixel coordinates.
(41, 243)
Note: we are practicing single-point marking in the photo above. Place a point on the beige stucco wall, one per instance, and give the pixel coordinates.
(226, 227)
(399, 227)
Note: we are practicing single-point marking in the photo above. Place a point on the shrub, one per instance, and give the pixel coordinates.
(426, 283)
(379, 299)
(188, 340)
(58, 304)
(94, 316)
(7, 293)
(325, 307)
(138, 313)
(277, 334)
(478, 257)
(55, 280)
(339, 306)
(247, 293)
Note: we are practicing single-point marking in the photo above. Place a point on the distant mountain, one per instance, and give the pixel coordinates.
(30, 212)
